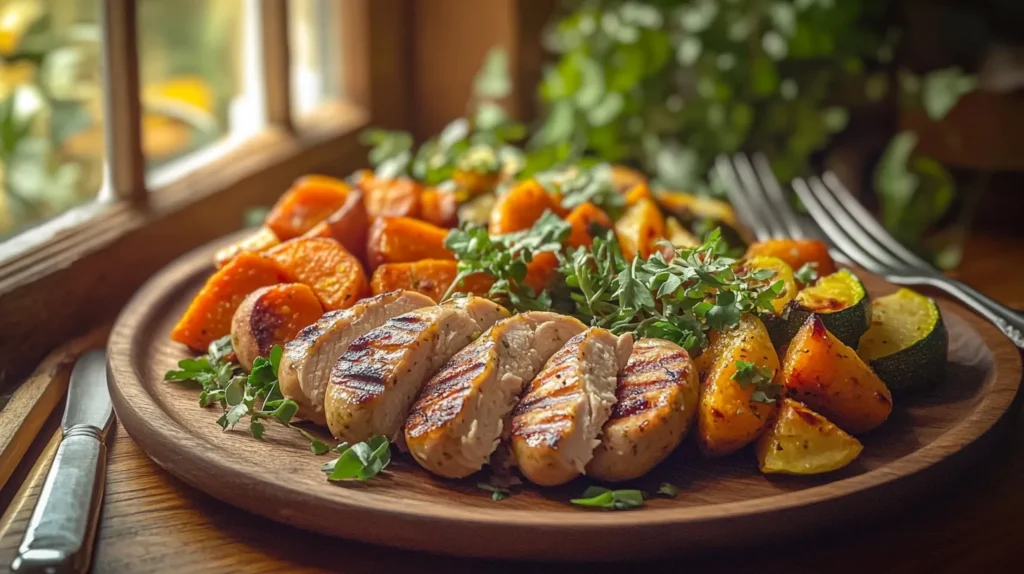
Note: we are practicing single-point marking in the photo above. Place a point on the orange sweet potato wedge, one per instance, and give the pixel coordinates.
(520, 207)
(391, 197)
(262, 239)
(639, 229)
(310, 200)
(334, 274)
(270, 316)
(348, 225)
(440, 207)
(431, 277)
(583, 218)
(404, 240)
(208, 317)
(638, 192)
(796, 252)
(540, 270)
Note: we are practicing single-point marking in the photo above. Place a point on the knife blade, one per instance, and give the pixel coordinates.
(60, 533)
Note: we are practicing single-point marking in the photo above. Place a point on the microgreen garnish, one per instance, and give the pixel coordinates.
(668, 489)
(600, 497)
(497, 492)
(505, 257)
(256, 395)
(678, 297)
(748, 374)
(361, 461)
(578, 185)
(807, 274)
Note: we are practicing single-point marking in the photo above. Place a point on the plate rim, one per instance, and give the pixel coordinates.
(991, 409)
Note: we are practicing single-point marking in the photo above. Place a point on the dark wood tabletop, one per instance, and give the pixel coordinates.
(152, 522)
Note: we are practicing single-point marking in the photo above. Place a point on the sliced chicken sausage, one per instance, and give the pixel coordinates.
(307, 361)
(455, 425)
(557, 421)
(656, 404)
(379, 376)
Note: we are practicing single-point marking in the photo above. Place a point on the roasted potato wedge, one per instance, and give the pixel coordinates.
(271, 316)
(800, 441)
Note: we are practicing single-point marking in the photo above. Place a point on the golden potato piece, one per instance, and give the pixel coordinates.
(800, 441)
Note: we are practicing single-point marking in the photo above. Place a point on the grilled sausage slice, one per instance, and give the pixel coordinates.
(379, 376)
(307, 361)
(457, 421)
(656, 404)
(557, 421)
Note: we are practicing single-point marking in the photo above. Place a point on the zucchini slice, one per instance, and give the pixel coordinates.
(841, 301)
(907, 342)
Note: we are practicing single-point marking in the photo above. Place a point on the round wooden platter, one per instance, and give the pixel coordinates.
(722, 503)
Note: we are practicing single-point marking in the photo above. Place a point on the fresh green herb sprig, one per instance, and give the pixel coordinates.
(600, 497)
(678, 297)
(578, 185)
(497, 492)
(807, 274)
(256, 395)
(361, 461)
(668, 489)
(750, 375)
(505, 259)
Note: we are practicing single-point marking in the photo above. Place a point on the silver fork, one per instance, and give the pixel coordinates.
(851, 229)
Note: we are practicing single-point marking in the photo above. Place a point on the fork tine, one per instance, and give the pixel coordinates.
(756, 195)
(777, 198)
(852, 226)
(738, 198)
(871, 225)
(832, 229)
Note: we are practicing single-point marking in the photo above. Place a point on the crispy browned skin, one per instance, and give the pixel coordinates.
(655, 408)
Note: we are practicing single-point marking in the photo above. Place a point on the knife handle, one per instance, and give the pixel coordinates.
(60, 534)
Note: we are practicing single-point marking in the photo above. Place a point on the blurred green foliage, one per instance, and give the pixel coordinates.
(667, 85)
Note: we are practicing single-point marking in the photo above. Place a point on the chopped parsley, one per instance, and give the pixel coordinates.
(678, 297)
(807, 274)
(668, 489)
(600, 497)
(361, 461)
(497, 492)
(750, 375)
(256, 395)
(505, 259)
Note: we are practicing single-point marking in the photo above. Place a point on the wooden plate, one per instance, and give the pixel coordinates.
(723, 502)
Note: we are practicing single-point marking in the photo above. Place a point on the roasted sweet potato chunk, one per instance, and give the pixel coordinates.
(260, 240)
(334, 274)
(829, 377)
(639, 229)
(349, 225)
(391, 197)
(796, 252)
(439, 207)
(583, 219)
(310, 200)
(208, 317)
(431, 277)
(271, 316)
(520, 207)
(403, 240)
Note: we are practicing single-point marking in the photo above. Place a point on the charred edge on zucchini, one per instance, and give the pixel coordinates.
(841, 301)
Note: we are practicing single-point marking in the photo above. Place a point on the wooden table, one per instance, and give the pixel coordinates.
(152, 522)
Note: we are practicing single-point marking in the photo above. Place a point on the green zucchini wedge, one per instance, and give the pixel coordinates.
(841, 301)
(907, 342)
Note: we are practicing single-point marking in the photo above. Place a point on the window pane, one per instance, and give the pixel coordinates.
(313, 40)
(200, 73)
(51, 126)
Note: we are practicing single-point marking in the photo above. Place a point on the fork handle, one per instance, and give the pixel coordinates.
(1008, 321)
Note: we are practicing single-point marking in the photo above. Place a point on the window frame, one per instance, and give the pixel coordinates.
(69, 277)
